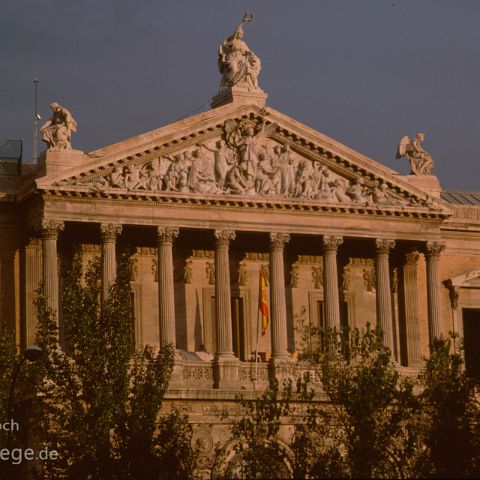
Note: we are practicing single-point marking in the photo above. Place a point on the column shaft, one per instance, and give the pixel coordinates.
(330, 281)
(384, 293)
(434, 249)
(166, 295)
(50, 230)
(33, 276)
(278, 305)
(223, 309)
(108, 233)
(412, 328)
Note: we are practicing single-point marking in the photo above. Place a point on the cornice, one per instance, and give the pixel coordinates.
(236, 203)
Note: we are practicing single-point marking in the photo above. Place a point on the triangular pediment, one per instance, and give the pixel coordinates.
(243, 152)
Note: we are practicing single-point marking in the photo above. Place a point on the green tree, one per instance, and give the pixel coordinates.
(100, 398)
(452, 416)
(368, 426)
(257, 454)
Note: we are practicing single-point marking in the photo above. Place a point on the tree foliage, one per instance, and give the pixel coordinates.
(257, 453)
(101, 396)
(364, 419)
(452, 416)
(366, 429)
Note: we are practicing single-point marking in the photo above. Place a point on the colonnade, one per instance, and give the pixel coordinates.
(50, 229)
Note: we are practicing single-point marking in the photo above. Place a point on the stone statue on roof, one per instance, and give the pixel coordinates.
(237, 63)
(57, 131)
(421, 162)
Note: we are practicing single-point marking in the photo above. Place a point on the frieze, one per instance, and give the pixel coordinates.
(145, 251)
(470, 213)
(257, 256)
(360, 262)
(309, 259)
(89, 248)
(203, 254)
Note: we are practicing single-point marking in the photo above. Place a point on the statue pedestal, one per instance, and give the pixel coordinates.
(240, 96)
(51, 162)
(428, 183)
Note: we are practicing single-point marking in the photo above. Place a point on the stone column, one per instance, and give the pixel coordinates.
(166, 297)
(278, 304)
(384, 293)
(33, 276)
(8, 317)
(49, 231)
(434, 249)
(330, 281)
(108, 234)
(223, 309)
(410, 299)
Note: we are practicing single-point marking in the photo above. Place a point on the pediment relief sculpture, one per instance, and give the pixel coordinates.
(421, 162)
(244, 161)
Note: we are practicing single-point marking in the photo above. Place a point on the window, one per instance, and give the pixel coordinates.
(471, 336)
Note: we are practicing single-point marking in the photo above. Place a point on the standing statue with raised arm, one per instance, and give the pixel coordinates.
(236, 62)
(421, 162)
(57, 132)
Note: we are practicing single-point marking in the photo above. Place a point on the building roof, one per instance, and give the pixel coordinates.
(461, 197)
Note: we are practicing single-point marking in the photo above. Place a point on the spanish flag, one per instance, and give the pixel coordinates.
(263, 302)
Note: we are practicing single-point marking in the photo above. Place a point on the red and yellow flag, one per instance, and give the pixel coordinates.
(263, 302)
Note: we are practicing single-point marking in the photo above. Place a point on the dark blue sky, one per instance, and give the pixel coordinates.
(365, 72)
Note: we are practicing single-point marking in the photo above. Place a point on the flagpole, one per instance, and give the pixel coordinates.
(35, 118)
(258, 326)
(256, 350)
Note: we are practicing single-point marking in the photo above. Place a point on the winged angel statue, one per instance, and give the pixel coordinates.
(421, 162)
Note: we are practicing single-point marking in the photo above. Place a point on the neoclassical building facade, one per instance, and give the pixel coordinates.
(212, 201)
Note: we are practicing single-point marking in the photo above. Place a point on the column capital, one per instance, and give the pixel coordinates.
(411, 259)
(384, 246)
(50, 228)
(167, 234)
(331, 242)
(224, 237)
(278, 240)
(110, 231)
(434, 249)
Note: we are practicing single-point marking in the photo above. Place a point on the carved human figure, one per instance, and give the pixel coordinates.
(248, 150)
(288, 167)
(134, 177)
(304, 179)
(421, 162)
(339, 187)
(156, 173)
(170, 180)
(202, 176)
(221, 162)
(265, 174)
(236, 62)
(382, 196)
(57, 131)
(356, 191)
(324, 188)
(117, 178)
(235, 182)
